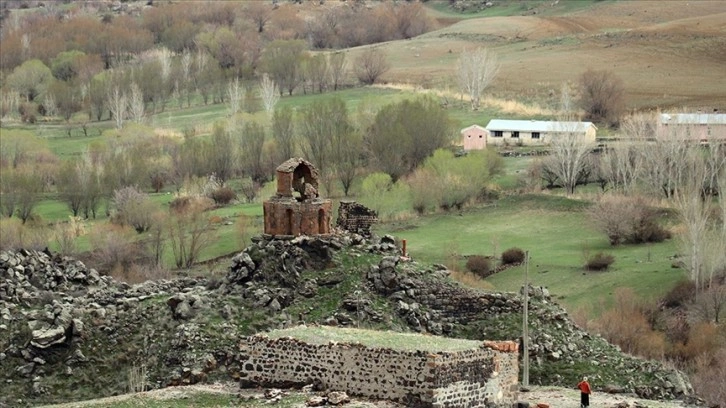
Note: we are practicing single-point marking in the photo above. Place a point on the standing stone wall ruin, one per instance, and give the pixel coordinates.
(475, 377)
(296, 208)
(356, 218)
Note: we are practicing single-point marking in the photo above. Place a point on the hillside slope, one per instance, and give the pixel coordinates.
(70, 334)
(669, 54)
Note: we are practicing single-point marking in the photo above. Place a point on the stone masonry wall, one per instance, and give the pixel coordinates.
(469, 378)
(356, 218)
(290, 217)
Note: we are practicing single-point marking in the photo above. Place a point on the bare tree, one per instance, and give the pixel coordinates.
(117, 105)
(50, 106)
(283, 133)
(694, 212)
(715, 166)
(235, 94)
(625, 159)
(190, 231)
(602, 96)
(9, 101)
(133, 208)
(370, 65)
(663, 164)
(187, 60)
(282, 61)
(252, 152)
(164, 56)
(565, 99)
(337, 65)
(476, 69)
(223, 153)
(269, 93)
(721, 183)
(318, 72)
(568, 158)
(136, 104)
(260, 13)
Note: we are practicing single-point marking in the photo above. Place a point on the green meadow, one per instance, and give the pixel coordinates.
(554, 230)
(556, 233)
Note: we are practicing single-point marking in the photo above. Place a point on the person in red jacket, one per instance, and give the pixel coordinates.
(585, 392)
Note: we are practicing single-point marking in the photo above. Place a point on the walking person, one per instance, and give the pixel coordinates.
(585, 391)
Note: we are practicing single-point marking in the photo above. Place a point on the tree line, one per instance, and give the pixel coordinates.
(60, 63)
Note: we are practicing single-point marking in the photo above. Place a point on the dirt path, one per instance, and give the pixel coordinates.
(566, 398)
(554, 397)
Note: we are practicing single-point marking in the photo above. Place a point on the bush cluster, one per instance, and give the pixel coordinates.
(681, 293)
(628, 220)
(599, 262)
(479, 265)
(512, 256)
(223, 195)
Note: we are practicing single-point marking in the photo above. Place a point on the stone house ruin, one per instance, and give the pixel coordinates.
(296, 208)
(357, 218)
(484, 373)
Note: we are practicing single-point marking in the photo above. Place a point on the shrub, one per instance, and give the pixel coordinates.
(479, 265)
(602, 96)
(512, 256)
(250, 189)
(133, 208)
(27, 112)
(599, 262)
(184, 204)
(707, 379)
(648, 229)
(684, 291)
(223, 195)
(16, 235)
(628, 220)
(114, 248)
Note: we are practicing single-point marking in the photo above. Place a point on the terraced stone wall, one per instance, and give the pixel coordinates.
(468, 378)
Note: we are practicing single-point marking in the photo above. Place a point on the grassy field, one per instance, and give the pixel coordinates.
(559, 238)
(374, 338)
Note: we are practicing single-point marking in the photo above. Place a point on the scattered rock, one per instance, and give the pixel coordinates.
(338, 398)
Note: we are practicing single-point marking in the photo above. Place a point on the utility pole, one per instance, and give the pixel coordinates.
(525, 324)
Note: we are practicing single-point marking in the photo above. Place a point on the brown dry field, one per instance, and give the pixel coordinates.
(669, 54)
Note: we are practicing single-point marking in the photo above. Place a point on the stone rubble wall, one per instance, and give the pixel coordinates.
(468, 378)
(356, 218)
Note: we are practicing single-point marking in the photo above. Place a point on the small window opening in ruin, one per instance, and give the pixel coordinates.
(515, 135)
(322, 228)
(288, 220)
(304, 184)
(480, 136)
(498, 133)
(535, 135)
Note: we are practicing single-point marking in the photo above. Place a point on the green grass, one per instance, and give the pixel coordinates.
(374, 338)
(508, 8)
(556, 232)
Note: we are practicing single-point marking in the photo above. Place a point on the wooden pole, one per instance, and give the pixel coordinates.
(525, 324)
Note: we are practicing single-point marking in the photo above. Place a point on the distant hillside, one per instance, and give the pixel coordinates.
(669, 54)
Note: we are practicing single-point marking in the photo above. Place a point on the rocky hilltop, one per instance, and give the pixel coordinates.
(68, 333)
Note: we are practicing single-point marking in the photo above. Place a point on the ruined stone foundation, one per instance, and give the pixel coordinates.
(469, 378)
